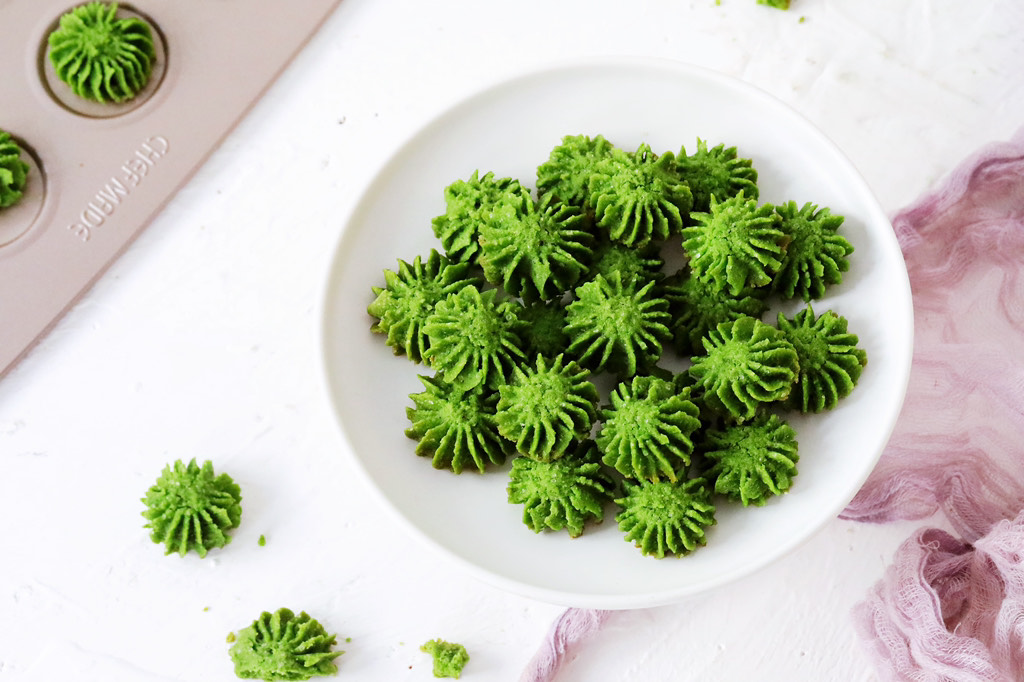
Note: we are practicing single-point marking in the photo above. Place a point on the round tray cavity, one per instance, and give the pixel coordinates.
(16, 220)
(63, 95)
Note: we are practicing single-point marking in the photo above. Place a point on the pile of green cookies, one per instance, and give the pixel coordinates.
(537, 299)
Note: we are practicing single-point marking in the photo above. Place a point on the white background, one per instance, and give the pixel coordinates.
(201, 342)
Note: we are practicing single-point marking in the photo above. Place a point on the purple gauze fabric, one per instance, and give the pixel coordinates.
(574, 625)
(953, 608)
(948, 608)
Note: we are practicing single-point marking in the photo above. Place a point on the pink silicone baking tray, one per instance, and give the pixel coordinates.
(100, 173)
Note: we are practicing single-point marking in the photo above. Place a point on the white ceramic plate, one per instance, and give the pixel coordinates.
(510, 129)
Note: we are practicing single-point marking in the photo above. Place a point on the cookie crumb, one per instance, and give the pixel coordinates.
(449, 658)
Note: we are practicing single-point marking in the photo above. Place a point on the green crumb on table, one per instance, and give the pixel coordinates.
(777, 4)
(449, 658)
(230, 638)
(13, 171)
(262, 542)
(191, 508)
(283, 646)
(100, 56)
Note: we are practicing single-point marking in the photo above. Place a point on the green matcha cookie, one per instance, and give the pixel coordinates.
(752, 462)
(545, 407)
(717, 172)
(189, 508)
(747, 364)
(736, 244)
(830, 361)
(567, 172)
(666, 518)
(101, 57)
(815, 256)
(617, 325)
(631, 263)
(543, 328)
(13, 171)
(283, 646)
(468, 205)
(456, 429)
(449, 658)
(403, 306)
(534, 251)
(565, 493)
(697, 307)
(639, 197)
(646, 431)
(473, 338)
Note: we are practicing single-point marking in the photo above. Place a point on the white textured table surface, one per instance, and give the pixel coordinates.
(201, 342)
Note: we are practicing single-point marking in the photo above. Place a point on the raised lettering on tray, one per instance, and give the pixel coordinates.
(119, 187)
